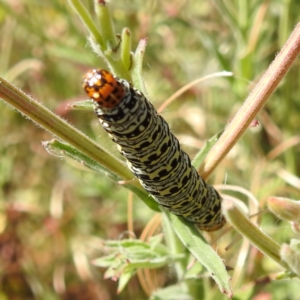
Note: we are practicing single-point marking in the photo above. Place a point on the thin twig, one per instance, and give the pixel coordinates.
(255, 101)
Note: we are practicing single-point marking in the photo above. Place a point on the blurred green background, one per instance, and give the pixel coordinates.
(53, 210)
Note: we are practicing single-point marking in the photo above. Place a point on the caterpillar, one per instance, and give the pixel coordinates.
(152, 152)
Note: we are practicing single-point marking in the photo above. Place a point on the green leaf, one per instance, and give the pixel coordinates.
(199, 157)
(123, 280)
(147, 263)
(290, 254)
(128, 243)
(194, 271)
(58, 148)
(173, 292)
(82, 105)
(192, 239)
(105, 261)
(127, 256)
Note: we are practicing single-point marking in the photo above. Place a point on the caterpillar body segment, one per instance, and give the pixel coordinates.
(152, 152)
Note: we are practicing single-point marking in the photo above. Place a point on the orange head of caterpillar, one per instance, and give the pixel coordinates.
(104, 88)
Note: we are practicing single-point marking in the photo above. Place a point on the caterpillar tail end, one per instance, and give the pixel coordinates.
(212, 227)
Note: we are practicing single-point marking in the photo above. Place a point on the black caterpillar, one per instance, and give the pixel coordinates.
(152, 152)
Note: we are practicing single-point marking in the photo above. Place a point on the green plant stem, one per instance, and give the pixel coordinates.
(87, 21)
(103, 42)
(247, 229)
(92, 151)
(51, 122)
(137, 67)
(176, 248)
(126, 48)
(105, 23)
(114, 55)
(192, 239)
(255, 101)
